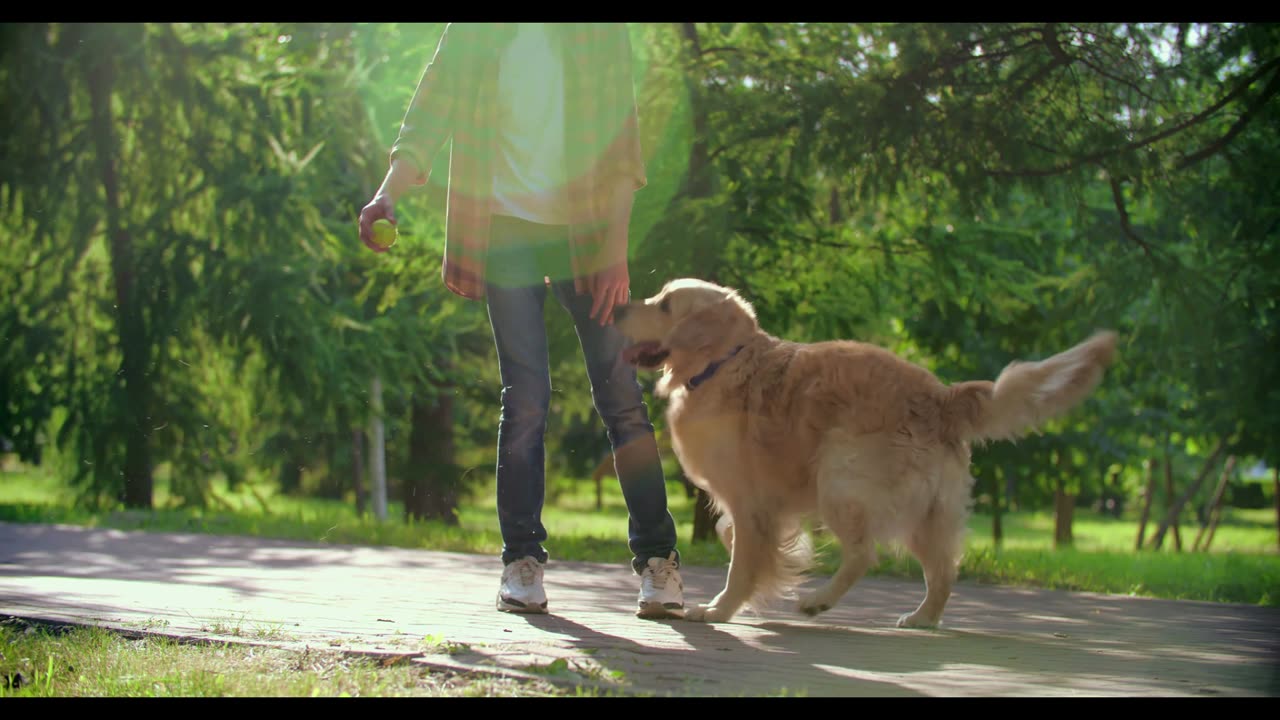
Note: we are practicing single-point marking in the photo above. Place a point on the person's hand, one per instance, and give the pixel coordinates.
(610, 288)
(378, 208)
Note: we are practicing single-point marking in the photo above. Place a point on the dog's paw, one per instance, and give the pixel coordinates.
(915, 620)
(705, 613)
(696, 613)
(812, 604)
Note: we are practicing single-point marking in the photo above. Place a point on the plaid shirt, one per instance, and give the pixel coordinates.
(456, 99)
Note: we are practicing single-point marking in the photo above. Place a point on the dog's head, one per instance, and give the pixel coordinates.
(684, 328)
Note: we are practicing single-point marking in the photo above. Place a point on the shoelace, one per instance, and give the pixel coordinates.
(527, 573)
(661, 574)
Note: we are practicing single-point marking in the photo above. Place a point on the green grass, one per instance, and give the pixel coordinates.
(1248, 531)
(578, 531)
(1243, 566)
(39, 661)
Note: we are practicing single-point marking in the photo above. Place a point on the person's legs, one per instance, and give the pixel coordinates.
(520, 255)
(515, 304)
(620, 402)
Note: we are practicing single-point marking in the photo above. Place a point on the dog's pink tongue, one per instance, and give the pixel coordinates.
(632, 353)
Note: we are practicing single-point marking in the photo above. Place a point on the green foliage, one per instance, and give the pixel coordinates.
(972, 194)
(244, 150)
(965, 193)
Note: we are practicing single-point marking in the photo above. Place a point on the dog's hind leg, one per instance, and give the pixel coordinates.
(724, 530)
(846, 518)
(937, 543)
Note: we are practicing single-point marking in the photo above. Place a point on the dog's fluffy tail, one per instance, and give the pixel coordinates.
(1027, 393)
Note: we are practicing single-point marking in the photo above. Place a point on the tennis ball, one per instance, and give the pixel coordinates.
(384, 233)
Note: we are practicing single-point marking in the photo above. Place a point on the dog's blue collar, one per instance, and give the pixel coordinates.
(705, 375)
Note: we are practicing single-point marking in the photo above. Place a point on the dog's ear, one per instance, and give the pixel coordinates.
(696, 332)
(712, 330)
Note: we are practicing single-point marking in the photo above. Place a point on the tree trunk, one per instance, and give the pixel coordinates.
(1171, 517)
(704, 521)
(605, 467)
(1275, 489)
(357, 470)
(1169, 498)
(130, 323)
(1147, 495)
(1064, 505)
(1215, 505)
(292, 469)
(378, 450)
(698, 180)
(332, 486)
(697, 185)
(1113, 496)
(431, 486)
(997, 524)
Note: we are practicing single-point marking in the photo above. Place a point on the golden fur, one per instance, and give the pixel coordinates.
(875, 446)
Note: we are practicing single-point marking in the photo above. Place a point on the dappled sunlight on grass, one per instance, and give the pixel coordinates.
(91, 662)
(1243, 566)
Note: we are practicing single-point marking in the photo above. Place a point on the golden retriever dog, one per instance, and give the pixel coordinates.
(875, 446)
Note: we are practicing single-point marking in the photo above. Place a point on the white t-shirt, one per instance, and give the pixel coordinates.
(529, 172)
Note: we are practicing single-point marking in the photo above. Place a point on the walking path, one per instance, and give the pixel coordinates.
(438, 609)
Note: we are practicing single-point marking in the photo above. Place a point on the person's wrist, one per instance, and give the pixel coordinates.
(615, 241)
(400, 176)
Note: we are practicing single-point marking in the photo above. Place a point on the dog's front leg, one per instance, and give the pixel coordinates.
(749, 546)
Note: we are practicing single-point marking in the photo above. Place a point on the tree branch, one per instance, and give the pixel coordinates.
(1175, 507)
(1179, 127)
(813, 240)
(1117, 195)
(764, 134)
(1039, 75)
(729, 49)
(1273, 87)
(177, 201)
(1117, 79)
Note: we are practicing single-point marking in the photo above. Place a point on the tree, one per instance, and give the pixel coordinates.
(204, 176)
(1021, 176)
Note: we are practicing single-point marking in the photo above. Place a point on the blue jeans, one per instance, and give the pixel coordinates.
(520, 255)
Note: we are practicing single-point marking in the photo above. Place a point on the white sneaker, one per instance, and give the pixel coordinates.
(521, 590)
(661, 589)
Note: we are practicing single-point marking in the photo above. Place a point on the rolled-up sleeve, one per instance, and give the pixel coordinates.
(429, 120)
